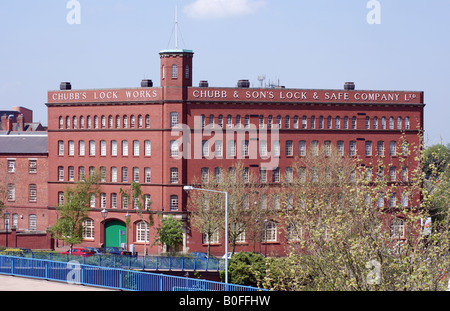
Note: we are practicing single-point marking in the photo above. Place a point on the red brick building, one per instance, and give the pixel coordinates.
(130, 134)
(24, 175)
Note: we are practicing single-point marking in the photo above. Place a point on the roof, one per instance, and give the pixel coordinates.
(23, 143)
(177, 51)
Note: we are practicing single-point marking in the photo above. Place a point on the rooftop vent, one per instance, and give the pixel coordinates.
(349, 86)
(65, 86)
(244, 84)
(203, 83)
(146, 83)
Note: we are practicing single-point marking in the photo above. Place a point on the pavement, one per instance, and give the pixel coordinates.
(15, 283)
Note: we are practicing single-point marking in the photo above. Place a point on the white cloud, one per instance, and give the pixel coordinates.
(213, 9)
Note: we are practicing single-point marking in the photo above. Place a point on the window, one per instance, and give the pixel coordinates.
(231, 148)
(407, 123)
(81, 122)
(399, 123)
(113, 174)
(61, 123)
(229, 121)
(218, 149)
(103, 200)
(113, 200)
(89, 122)
(393, 199)
(71, 148)
(148, 175)
(380, 148)
(392, 173)
(375, 123)
(205, 148)
(136, 174)
(117, 122)
(142, 232)
(393, 148)
(32, 222)
(238, 121)
(383, 123)
(218, 174)
(279, 121)
(88, 229)
(296, 122)
(269, 121)
(263, 148)
(60, 173)
(60, 148)
(367, 123)
(270, 231)
(245, 175)
(276, 148)
(95, 122)
(60, 198)
(405, 200)
(353, 123)
(302, 148)
(405, 174)
(352, 148)
(346, 123)
(220, 121)
(329, 123)
(174, 120)
(132, 121)
(32, 166)
(81, 148)
(289, 148)
(148, 148)
(67, 122)
(315, 147)
(397, 228)
(11, 166)
(92, 148)
(262, 175)
(147, 121)
(313, 122)
(391, 123)
(340, 148)
(32, 193)
(261, 121)
(174, 148)
(103, 148)
(147, 202)
(124, 148)
(304, 122)
(212, 237)
(92, 201)
(174, 175)
(338, 123)
(136, 148)
(245, 148)
(247, 121)
(211, 120)
(81, 173)
(276, 174)
(327, 148)
(124, 202)
(174, 71)
(124, 174)
(71, 173)
(114, 148)
(110, 122)
(289, 174)
(368, 148)
(174, 203)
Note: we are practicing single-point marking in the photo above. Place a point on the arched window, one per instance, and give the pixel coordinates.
(174, 71)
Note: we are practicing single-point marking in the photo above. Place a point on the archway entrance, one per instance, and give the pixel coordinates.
(115, 233)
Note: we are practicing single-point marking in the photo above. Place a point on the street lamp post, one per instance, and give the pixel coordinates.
(104, 215)
(189, 188)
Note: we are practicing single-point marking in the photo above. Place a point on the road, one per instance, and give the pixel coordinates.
(15, 283)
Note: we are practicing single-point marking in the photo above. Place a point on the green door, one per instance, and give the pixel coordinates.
(115, 233)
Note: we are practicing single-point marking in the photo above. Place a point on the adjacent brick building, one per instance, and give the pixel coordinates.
(130, 134)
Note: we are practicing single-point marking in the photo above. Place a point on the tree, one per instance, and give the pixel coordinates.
(170, 233)
(245, 205)
(75, 209)
(244, 267)
(348, 231)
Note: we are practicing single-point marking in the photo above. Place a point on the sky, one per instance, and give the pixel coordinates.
(320, 44)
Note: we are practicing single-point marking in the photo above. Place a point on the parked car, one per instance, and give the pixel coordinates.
(79, 251)
(117, 251)
(97, 251)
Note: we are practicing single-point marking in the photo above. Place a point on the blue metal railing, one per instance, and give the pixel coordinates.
(74, 272)
(154, 263)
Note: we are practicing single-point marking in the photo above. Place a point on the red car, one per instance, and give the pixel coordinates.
(79, 252)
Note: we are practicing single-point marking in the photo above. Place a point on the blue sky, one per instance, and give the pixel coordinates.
(303, 44)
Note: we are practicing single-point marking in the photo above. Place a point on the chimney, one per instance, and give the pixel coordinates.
(65, 86)
(9, 123)
(20, 122)
(349, 86)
